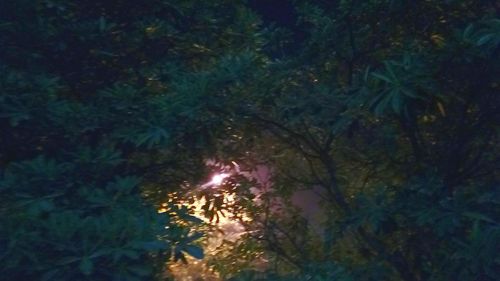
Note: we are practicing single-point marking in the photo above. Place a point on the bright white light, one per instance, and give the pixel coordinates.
(217, 179)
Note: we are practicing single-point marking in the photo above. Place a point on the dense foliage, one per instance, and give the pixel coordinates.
(387, 111)
(96, 102)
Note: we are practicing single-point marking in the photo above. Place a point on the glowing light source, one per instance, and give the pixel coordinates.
(217, 179)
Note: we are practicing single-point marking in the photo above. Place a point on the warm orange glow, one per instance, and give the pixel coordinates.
(228, 227)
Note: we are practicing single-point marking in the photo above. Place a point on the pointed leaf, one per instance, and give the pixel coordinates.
(194, 251)
(86, 266)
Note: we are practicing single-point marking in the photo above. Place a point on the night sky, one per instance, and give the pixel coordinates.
(280, 14)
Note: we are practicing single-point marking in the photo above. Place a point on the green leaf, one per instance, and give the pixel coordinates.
(152, 245)
(484, 39)
(396, 101)
(50, 275)
(382, 77)
(409, 93)
(479, 216)
(194, 251)
(67, 260)
(194, 236)
(468, 31)
(102, 24)
(140, 270)
(86, 266)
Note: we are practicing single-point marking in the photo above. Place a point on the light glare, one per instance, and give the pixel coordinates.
(217, 179)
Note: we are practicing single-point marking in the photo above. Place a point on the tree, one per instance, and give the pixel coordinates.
(99, 125)
(108, 107)
(393, 119)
